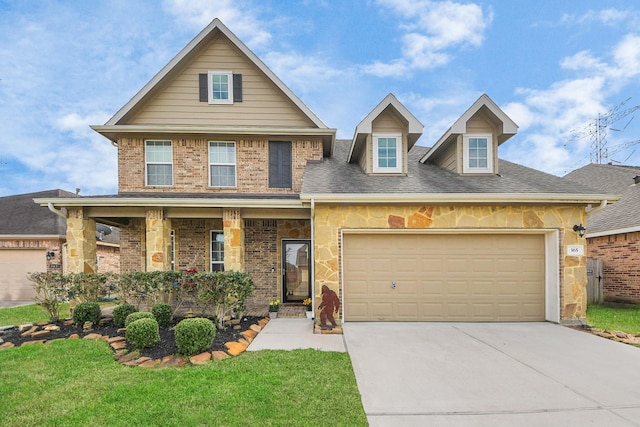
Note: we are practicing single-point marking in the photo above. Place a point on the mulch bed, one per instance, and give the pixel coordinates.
(167, 345)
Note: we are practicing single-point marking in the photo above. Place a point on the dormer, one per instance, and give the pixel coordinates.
(470, 145)
(384, 137)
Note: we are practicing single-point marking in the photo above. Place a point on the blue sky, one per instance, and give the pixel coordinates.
(552, 66)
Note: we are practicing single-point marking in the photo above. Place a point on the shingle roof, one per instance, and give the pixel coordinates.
(614, 179)
(21, 216)
(335, 175)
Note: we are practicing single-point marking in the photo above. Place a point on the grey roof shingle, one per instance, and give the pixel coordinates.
(20, 215)
(612, 179)
(334, 175)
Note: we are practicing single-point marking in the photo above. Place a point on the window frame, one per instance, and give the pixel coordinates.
(399, 168)
(212, 234)
(234, 164)
(466, 155)
(210, 86)
(147, 163)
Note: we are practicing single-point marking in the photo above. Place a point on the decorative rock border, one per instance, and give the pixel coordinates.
(118, 345)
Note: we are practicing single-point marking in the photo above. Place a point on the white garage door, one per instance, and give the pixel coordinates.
(444, 277)
(14, 266)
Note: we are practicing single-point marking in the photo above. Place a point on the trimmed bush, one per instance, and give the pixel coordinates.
(143, 333)
(194, 335)
(86, 312)
(163, 314)
(137, 316)
(121, 312)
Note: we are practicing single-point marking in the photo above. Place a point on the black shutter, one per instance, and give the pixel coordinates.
(204, 87)
(279, 164)
(237, 88)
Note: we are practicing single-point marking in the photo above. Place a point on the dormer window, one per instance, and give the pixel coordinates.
(220, 87)
(478, 153)
(387, 153)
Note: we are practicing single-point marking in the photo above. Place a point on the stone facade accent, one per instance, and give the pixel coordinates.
(233, 240)
(81, 242)
(158, 241)
(191, 165)
(330, 220)
(621, 256)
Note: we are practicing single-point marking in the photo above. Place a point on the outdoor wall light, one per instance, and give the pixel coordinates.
(579, 229)
(50, 255)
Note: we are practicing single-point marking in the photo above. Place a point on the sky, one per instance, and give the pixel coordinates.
(553, 66)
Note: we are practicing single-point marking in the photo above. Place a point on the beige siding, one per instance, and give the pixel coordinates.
(480, 123)
(389, 122)
(263, 103)
(444, 277)
(447, 158)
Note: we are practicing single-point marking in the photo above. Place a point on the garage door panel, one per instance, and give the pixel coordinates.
(15, 264)
(475, 277)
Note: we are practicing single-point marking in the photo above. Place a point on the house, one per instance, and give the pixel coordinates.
(222, 166)
(613, 233)
(32, 239)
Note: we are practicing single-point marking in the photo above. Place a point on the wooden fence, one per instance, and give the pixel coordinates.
(595, 281)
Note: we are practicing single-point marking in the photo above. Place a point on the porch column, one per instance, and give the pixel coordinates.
(158, 241)
(81, 242)
(233, 240)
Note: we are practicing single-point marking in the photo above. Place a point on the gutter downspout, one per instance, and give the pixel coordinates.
(56, 211)
(603, 204)
(313, 257)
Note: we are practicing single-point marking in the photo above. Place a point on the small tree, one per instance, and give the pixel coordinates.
(51, 290)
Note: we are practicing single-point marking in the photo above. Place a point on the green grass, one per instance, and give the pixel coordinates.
(77, 382)
(625, 319)
(28, 314)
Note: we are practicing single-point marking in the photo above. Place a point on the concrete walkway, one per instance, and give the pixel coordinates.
(294, 333)
(492, 374)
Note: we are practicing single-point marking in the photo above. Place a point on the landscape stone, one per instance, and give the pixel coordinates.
(25, 326)
(237, 327)
(200, 359)
(151, 363)
(219, 355)
(68, 322)
(115, 339)
(74, 336)
(37, 334)
(93, 337)
(142, 359)
(235, 348)
(255, 328)
(119, 345)
(29, 331)
(249, 334)
(129, 356)
(6, 328)
(7, 345)
(52, 328)
(173, 361)
(43, 323)
(33, 342)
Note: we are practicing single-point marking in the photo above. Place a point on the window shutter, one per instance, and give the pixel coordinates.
(279, 164)
(204, 87)
(237, 88)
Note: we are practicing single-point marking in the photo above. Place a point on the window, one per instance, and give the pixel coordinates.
(159, 162)
(222, 164)
(220, 87)
(217, 251)
(279, 164)
(387, 153)
(478, 154)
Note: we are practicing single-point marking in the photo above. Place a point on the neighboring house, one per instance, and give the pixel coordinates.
(32, 239)
(221, 166)
(613, 233)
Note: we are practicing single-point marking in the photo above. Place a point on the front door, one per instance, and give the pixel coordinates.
(296, 270)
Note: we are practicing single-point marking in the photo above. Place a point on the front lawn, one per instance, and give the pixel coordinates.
(77, 382)
(28, 314)
(624, 319)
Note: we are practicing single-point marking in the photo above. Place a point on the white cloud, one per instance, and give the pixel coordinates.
(603, 16)
(431, 30)
(238, 15)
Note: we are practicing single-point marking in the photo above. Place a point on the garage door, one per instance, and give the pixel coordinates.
(444, 277)
(14, 266)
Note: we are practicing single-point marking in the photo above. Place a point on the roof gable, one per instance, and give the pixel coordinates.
(216, 30)
(483, 106)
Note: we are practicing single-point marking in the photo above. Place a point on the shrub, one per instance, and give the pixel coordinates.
(86, 312)
(137, 316)
(143, 333)
(194, 335)
(51, 289)
(121, 312)
(163, 314)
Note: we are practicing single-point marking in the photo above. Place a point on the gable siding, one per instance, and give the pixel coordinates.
(448, 159)
(387, 122)
(479, 123)
(263, 103)
(191, 165)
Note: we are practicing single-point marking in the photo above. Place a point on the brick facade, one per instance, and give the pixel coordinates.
(261, 257)
(54, 265)
(191, 165)
(108, 258)
(620, 254)
(132, 246)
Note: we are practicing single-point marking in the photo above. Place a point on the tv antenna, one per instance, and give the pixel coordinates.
(597, 130)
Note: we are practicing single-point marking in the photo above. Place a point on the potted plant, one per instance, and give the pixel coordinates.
(308, 305)
(274, 307)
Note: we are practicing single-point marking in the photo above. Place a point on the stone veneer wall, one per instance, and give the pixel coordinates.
(620, 254)
(191, 165)
(330, 220)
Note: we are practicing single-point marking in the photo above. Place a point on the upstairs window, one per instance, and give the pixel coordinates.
(159, 163)
(279, 164)
(217, 250)
(220, 87)
(387, 153)
(222, 164)
(478, 154)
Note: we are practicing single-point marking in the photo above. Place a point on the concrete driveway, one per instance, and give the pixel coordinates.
(492, 374)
